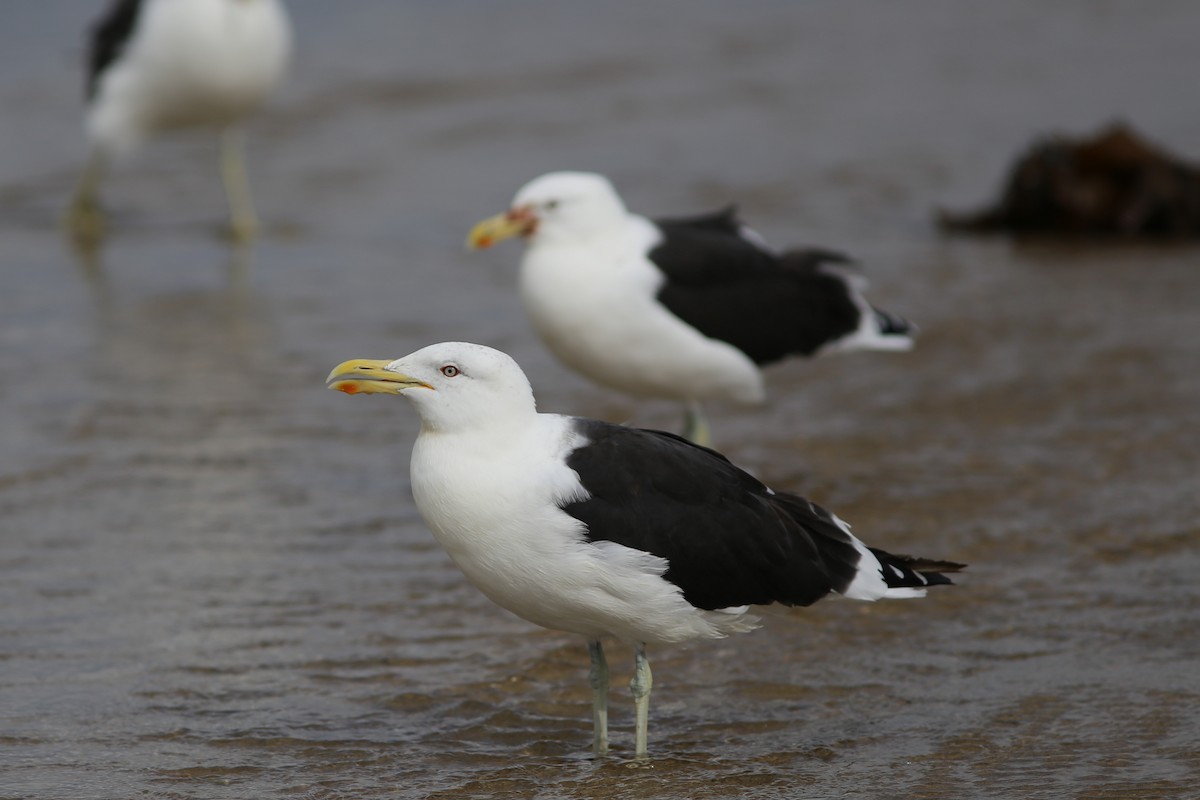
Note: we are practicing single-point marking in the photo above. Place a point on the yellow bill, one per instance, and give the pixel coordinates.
(370, 376)
(517, 222)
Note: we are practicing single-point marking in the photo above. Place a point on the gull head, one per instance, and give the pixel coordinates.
(556, 207)
(455, 386)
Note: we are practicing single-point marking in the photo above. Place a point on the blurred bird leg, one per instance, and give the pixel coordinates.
(598, 677)
(695, 426)
(243, 224)
(84, 218)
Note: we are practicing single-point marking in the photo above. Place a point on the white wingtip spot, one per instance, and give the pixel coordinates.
(903, 592)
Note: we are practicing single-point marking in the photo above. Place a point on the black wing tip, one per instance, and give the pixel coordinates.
(893, 324)
(915, 571)
(932, 570)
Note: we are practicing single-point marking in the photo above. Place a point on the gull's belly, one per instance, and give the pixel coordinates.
(612, 330)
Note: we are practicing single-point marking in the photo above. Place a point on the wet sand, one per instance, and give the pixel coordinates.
(214, 584)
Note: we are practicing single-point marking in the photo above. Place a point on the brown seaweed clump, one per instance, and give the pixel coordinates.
(1114, 183)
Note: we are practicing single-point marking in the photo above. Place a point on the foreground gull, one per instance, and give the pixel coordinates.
(683, 309)
(611, 532)
(159, 65)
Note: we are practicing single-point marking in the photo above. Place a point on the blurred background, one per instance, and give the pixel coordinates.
(214, 584)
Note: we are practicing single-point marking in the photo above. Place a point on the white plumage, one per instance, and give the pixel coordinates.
(162, 65)
(684, 309)
(590, 291)
(492, 492)
(610, 532)
(592, 297)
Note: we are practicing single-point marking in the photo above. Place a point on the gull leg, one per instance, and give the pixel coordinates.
(695, 426)
(84, 217)
(243, 224)
(640, 686)
(598, 676)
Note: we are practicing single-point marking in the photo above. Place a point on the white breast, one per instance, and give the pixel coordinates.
(495, 509)
(593, 302)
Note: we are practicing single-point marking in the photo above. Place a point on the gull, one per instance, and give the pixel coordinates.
(687, 309)
(609, 532)
(160, 65)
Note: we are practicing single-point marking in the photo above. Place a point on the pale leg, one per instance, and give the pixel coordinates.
(695, 426)
(599, 680)
(243, 223)
(84, 217)
(640, 686)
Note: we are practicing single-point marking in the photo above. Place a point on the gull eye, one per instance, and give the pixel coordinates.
(449, 370)
(550, 205)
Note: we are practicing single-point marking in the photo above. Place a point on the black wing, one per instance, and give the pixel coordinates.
(727, 539)
(729, 287)
(709, 247)
(724, 220)
(109, 37)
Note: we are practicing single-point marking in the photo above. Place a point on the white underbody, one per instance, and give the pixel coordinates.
(493, 504)
(189, 63)
(593, 301)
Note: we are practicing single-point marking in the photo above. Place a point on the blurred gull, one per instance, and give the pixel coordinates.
(160, 65)
(685, 309)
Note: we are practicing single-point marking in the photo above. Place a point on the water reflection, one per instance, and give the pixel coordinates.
(212, 579)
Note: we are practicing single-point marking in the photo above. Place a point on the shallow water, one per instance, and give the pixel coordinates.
(213, 583)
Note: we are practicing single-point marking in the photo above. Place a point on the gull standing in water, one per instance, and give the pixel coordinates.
(611, 532)
(685, 309)
(160, 65)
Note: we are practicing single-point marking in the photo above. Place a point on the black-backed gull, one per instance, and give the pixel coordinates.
(685, 309)
(607, 531)
(160, 65)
